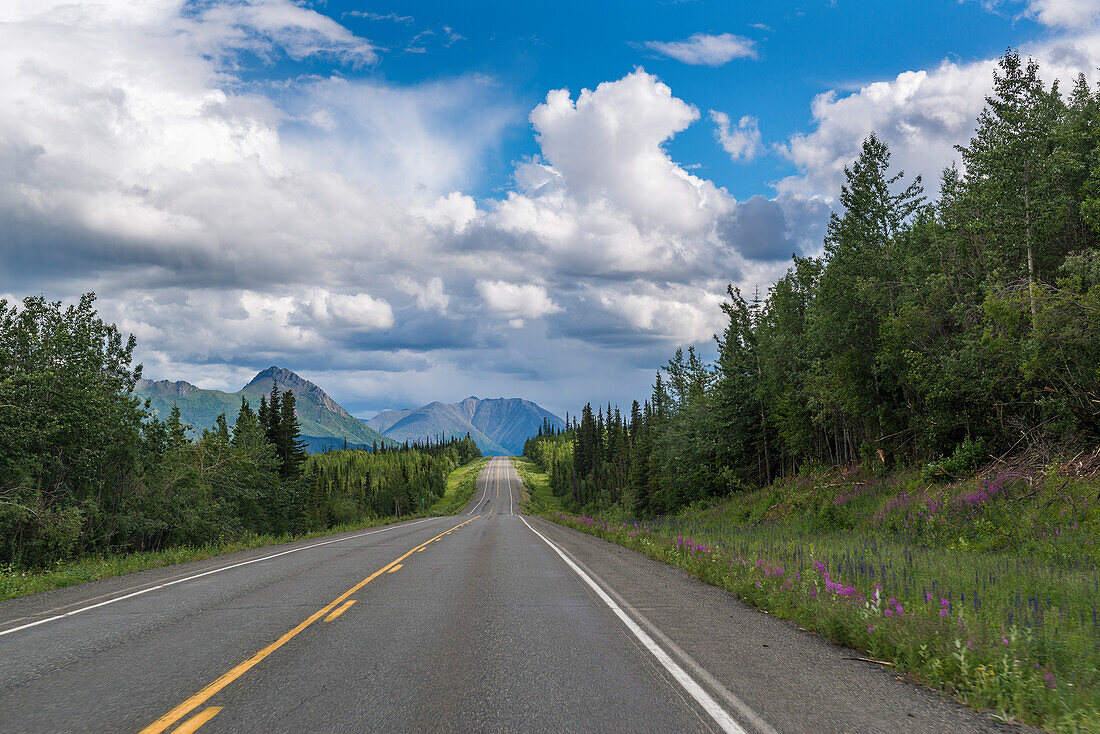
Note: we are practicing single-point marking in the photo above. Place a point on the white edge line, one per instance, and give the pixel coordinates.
(476, 492)
(511, 498)
(476, 505)
(200, 575)
(719, 714)
(740, 707)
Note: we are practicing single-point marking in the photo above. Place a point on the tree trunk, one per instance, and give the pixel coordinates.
(1030, 259)
(763, 421)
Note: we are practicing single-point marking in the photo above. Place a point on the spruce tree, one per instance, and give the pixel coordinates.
(263, 415)
(290, 449)
(177, 436)
(1011, 172)
(274, 416)
(247, 426)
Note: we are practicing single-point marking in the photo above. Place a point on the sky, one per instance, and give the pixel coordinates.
(417, 201)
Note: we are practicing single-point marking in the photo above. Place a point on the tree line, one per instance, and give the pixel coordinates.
(927, 332)
(86, 468)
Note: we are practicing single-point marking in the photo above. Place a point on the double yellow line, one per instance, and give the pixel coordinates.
(206, 693)
(496, 481)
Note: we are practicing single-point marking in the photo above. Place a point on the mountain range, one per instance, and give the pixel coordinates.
(323, 422)
(499, 426)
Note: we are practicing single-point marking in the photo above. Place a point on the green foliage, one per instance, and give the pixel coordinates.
(461, 486)
(379, 483)
(967, 457)
(315, 418)
(959, 328)
(85, 470)
(538, 498)
(985, 588)
(552, 451)
(70, 441)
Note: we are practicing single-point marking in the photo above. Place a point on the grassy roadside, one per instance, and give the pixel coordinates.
(985, 588)
(15, 582)
(538, 499)
(461, 485)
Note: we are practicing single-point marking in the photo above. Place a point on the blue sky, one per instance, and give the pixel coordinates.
(802, 49)
(416, 201)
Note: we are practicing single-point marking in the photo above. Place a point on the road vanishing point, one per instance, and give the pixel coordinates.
(488, 621)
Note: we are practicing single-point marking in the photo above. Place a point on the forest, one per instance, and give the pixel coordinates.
(932, 333)
(86, 468)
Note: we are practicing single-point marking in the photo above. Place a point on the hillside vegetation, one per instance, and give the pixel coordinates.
(85, 470)
(897, 444)
(536, 495)
(986, 588)
(937, 332)
(461, 486)
(324, 423)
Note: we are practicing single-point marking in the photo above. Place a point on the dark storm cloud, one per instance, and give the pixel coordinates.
(759, 230)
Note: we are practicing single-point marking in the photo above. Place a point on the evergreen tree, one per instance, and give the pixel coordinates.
(920, 328)
(177, 430)
(290, 449)
(273, 425)
(1011, 173)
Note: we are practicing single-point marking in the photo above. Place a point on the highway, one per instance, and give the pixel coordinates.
(487, 621)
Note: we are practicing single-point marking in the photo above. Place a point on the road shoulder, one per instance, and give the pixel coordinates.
(795, 680)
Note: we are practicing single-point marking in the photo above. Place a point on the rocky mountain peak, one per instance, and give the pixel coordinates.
(166, 387)
(302, 388)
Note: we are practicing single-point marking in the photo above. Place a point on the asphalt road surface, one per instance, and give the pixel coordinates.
(481, 622)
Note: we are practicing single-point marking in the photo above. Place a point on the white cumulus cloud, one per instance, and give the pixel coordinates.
(741, 142)
(1069, 14)
(702, 49)
(689, 314)
(518, 300)
(920, 114)
(605, 196)
(455, 212)
(1066, 14)
(429, 296)
(355, 310)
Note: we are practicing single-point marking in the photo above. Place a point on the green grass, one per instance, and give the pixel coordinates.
(461, 485)
(538, 499)
(16, 582)
(985, 588)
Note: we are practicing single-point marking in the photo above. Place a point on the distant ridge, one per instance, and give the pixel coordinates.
(324, 422)
(499, 426)
(303, 389)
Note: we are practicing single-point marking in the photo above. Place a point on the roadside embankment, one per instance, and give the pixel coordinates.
(985, 588)
(461, 485)
(538, 498)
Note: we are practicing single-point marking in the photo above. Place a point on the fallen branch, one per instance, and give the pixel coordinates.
(870, 660)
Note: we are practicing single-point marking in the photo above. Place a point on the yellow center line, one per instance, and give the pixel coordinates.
(192, 725)
(228, 677)
(341, 610)
(399, 565)
(496, 481)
